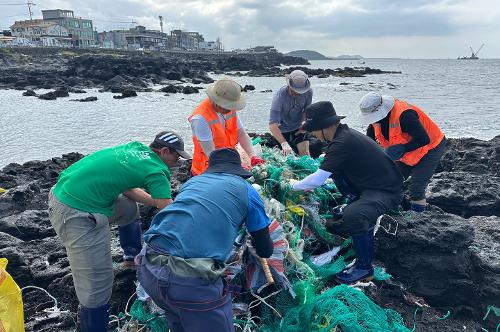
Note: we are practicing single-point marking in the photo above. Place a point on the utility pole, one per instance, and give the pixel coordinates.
(161, 22)
(31, 18)
(29, 9)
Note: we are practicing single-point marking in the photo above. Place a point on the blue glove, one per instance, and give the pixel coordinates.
(396, 152)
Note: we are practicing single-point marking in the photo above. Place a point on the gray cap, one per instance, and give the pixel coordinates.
(298, 81)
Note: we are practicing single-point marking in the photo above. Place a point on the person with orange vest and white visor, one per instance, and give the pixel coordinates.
(409, 137)
(215, 124)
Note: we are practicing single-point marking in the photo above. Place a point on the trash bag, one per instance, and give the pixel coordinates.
(11, 302)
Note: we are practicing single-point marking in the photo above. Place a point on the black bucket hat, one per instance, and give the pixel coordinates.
(226, 161)
(320, 115)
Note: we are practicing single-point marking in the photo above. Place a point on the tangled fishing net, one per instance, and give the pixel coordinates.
(305, 260)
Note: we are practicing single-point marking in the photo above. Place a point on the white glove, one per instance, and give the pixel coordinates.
(292, 182)
(287, 149)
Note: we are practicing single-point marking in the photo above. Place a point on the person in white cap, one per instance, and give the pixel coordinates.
(409, 137)
(288, 113)
(215, 124)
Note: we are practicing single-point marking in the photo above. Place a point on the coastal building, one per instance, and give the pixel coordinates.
(41, 32)
(212, 46)
(185, 40)
(6, 40)
(263, 49)
(80, 30)
(134, 38)
(141, 38)
(112, 39)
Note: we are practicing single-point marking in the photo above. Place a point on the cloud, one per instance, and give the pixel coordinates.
(315, 24)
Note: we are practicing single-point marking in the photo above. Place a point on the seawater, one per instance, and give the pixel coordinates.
(463, 97)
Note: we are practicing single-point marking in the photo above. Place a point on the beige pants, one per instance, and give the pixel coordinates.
(87, 239)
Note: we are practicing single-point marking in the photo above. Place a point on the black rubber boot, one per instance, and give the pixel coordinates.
(94, 319)
(362, 269)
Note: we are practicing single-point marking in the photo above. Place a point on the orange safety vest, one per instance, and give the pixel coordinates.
(223, 136)
(397, 136)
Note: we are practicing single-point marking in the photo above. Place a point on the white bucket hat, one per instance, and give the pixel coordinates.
(226, 93)
(298, 81)
(374, 107)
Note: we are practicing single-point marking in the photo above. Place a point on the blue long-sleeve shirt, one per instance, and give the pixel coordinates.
(288, 111)
(206, 216)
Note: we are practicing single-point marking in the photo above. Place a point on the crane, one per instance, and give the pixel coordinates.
(161, 22)
(473, 55)
(480, 48)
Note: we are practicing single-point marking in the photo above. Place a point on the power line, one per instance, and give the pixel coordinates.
(114, 21)
(23, 14)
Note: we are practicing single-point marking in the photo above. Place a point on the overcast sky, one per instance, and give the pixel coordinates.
(371, 28)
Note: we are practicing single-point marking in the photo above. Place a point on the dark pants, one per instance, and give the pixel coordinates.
(190, 304)
(361, 215)
(130, 239)
(295, 137)
(422, 172)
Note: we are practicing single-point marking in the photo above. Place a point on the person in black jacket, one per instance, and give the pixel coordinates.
(362, 171)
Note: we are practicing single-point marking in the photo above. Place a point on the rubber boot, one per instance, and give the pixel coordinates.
(130, 240)
(362, 269)
(418, 207)
(94, 319)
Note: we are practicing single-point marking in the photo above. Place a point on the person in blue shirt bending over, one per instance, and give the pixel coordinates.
(188, 242)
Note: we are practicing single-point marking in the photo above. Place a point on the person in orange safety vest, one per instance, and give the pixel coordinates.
(215, 124)
(409, 137)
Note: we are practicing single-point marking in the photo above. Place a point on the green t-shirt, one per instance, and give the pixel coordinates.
(93, 183)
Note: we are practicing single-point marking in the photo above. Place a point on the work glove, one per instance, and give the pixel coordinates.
(287, 149)
(292, 182)
(396, 152)
(254, 161)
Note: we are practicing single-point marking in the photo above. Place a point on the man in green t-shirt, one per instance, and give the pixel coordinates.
(102, 187)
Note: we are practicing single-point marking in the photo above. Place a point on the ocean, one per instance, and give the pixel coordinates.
(463, 97)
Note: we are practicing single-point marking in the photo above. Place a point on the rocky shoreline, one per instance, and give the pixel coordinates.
(438, 258)
(72, 70)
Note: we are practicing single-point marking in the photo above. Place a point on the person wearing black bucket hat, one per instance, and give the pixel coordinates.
(363, 173)
(190, 240)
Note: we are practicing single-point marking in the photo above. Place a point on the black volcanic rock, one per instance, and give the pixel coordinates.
(126, 94)
(465, 194)
(187, 90)
(29, 93)
(449, 261)
(48, 96)
(248, 87)
(86, 100)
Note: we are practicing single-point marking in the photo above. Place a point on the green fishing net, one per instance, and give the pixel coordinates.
(315, 302)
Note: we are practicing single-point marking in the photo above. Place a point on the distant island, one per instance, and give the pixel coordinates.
(308, 55)
(346, 57)
(313, 55)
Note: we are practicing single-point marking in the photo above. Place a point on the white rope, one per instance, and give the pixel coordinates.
(116, 319)
(55, 309)
(359, 285)
(263, 300)
(387, 230)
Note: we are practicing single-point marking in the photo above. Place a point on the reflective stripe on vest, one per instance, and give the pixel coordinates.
(397, 136)
(223, 136)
